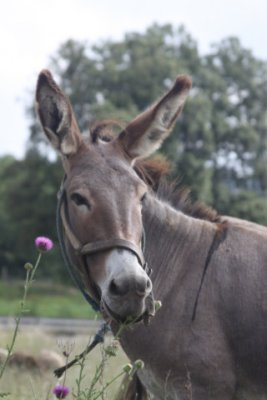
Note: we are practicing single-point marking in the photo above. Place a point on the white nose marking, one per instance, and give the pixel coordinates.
(124, 273)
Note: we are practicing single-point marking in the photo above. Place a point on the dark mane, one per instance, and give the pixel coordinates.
(179, 198)
(154, 173)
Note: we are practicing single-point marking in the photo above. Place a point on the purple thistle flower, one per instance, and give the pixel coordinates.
(61, 391)
(43, 243)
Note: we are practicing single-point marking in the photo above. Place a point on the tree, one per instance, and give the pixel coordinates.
(27, 210)
(219, 145)
(120, 79)
(218, 148)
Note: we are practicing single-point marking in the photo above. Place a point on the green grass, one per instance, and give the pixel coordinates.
(44, 300)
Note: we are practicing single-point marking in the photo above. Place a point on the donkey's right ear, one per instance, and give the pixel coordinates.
(56, 115)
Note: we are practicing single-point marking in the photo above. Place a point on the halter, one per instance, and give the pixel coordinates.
(63, 227)
(82, 250)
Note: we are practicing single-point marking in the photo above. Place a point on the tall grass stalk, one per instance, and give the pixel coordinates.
(30, 273)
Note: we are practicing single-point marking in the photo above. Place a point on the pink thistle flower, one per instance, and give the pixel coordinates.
(61, 391)
(43, 243)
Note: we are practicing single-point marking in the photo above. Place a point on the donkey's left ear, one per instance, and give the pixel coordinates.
(56, 115)
(145, 134)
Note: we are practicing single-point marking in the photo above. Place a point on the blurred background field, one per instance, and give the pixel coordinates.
(24, 383)
(63, 309)
(44, 300)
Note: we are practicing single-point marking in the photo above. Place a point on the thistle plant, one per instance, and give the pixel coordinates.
(61, 391)
(43, 244)
(98, 389)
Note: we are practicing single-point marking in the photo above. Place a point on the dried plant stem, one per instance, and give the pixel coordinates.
(108, 384)
(28, 282)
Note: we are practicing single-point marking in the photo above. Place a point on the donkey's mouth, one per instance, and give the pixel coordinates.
(127, 319)
(111, 314)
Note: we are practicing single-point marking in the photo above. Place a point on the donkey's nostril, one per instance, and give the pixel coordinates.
(121, 286)
(113, 288)
(118, 287)
(143, 285)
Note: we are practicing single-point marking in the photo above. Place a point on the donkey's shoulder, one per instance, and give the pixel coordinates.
(246, 226)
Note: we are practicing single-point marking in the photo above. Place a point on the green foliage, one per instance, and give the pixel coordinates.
(247, 203)
(44, 300)
(119, 79)
(27, 209)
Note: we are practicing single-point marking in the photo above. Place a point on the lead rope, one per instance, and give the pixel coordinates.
(98, 338)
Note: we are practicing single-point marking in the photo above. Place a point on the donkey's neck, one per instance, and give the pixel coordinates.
(173, 240)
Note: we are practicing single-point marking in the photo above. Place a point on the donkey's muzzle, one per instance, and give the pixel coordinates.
(122, 286)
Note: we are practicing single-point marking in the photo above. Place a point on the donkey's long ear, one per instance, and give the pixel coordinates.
(145, 134)
(56, 115)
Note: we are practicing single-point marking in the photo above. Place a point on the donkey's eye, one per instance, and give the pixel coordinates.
(79, 200)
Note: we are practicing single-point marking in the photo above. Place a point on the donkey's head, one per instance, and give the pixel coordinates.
(104, 195)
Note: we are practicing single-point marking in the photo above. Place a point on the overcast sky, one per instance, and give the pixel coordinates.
(32, 30)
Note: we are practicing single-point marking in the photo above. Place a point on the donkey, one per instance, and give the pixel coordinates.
(209, 339)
